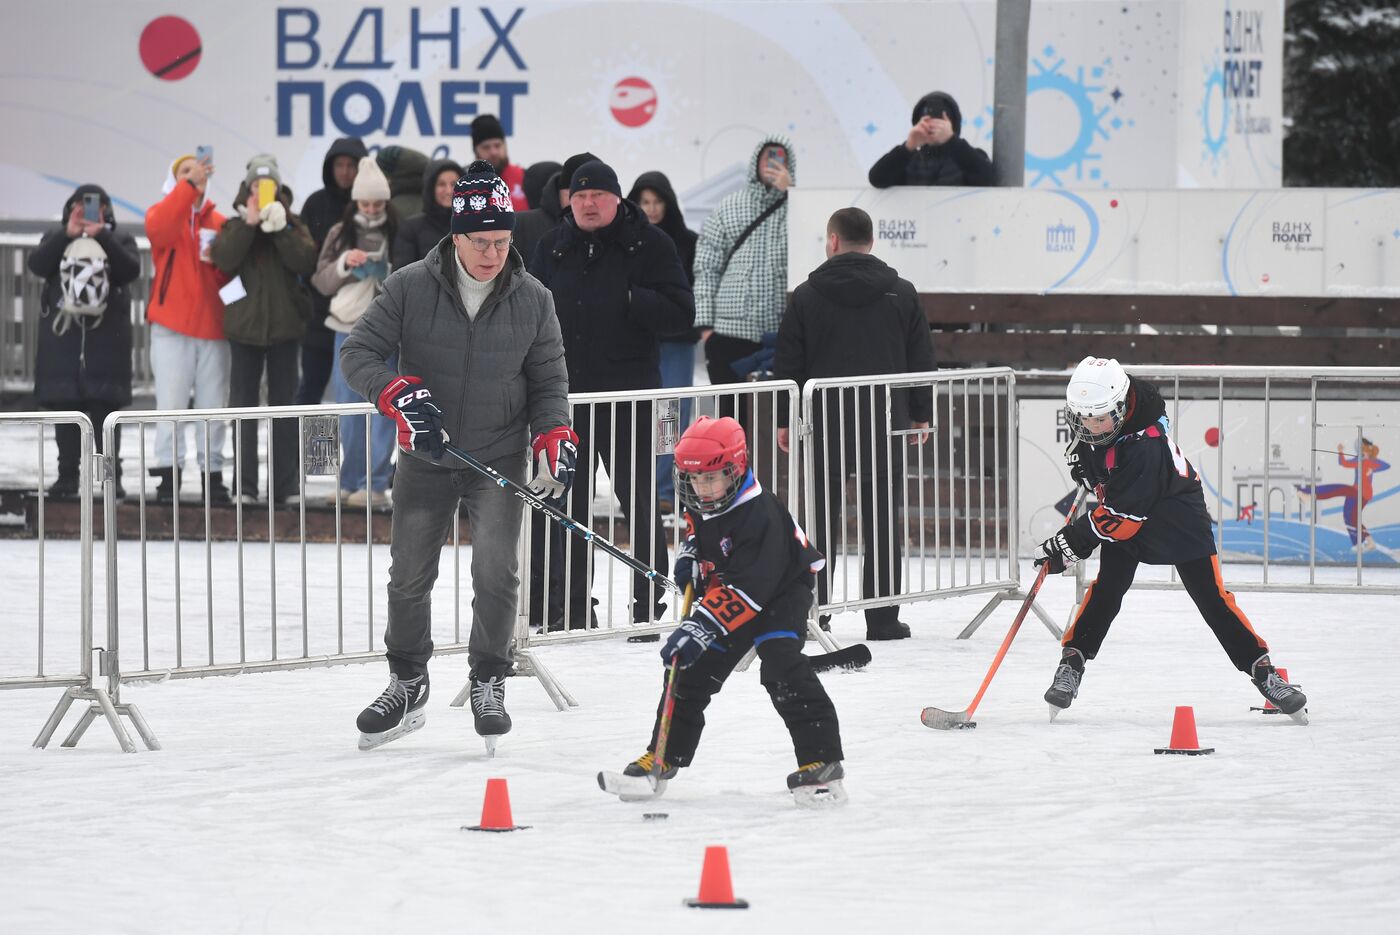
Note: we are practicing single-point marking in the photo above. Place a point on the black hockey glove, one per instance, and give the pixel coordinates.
(417, 418)
(690, 640)
(688, 569)
(1077, 471)
(1063, 549)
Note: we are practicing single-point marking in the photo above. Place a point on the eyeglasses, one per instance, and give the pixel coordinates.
(481, 245)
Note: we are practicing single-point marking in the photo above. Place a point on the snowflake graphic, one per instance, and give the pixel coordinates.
(1215, 106)
(1081, 96)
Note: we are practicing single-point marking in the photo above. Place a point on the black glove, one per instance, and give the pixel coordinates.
(690, 640)
(1063, 549)
(418, 419)
(1077, 470)
(688, 570)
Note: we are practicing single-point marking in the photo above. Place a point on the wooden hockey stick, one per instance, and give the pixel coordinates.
(668, 707)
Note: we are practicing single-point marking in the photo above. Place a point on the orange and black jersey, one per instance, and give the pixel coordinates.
(757, 552)
(1150, 500)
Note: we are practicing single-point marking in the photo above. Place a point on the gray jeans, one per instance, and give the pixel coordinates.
(425, 500)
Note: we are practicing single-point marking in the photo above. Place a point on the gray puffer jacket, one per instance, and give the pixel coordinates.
(494, 378)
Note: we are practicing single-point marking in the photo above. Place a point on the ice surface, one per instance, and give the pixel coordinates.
(261, 816)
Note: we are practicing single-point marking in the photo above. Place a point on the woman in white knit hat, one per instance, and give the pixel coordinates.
(351, 271)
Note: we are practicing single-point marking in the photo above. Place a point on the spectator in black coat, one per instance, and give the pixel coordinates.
(83, 360)
(322, 211)
(652, 192)
(618, 286)
(934, 152)
(532, 226)
(854, 316)
(535, 177)
(422, 232)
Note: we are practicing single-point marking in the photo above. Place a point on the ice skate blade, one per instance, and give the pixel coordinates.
(413, 722)
(1054, 712)
(830, 795)
(631, 788)
(938, 719)
(491, 740)
(1300, 716)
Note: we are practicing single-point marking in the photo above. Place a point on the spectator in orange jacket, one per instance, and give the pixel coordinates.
(188, 350)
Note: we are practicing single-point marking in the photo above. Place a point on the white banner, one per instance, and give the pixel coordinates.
(686, 87)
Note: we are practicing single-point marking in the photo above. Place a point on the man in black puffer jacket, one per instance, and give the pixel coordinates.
(935, 152)
(422, 232)
(854, 316)
(618, 286)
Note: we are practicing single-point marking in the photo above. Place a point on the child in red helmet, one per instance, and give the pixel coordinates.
(753, 570)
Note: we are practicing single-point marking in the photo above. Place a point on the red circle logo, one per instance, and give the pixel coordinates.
(170, 48)
(1213, 437)
(633, 102)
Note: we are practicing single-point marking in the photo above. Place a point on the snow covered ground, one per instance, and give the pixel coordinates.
(259, 815)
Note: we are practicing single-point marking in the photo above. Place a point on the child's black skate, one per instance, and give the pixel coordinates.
(818, 785)
(635, 783)
(398, 710)
(1281, 694)
(489, 709)
(1065, 688)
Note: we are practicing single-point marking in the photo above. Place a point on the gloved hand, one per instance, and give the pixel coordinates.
(688, 569)
(1077, 471)
(410, 404)
(1062, 549)
(555, 454)
(690, 640)
(274, 217)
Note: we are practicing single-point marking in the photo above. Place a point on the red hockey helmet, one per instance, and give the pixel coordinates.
(711, 446)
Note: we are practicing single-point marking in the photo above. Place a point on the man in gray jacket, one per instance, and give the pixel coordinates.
(471, 323)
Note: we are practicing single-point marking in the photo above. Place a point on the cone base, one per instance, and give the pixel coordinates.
(1186, 751)
(736, 904)
(482, 828)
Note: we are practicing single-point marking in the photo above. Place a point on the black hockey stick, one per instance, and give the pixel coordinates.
(562, 518)
(850, 658)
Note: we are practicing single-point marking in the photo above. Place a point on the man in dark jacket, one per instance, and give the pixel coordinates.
(934, 153)
(83, 359)
(618, 287)
(532, 226)
(419, 234)
(324, 209)
(854, 316)
(472, 325)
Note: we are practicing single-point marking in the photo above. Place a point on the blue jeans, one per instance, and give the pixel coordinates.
(677, 369)
(352, 434)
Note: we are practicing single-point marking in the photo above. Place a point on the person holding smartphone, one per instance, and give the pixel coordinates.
(934, 153)
(83, 359)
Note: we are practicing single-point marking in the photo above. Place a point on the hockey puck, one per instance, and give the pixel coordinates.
(655, 816)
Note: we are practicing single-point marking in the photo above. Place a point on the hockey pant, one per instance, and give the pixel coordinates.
(1200, 577)
(796, 692)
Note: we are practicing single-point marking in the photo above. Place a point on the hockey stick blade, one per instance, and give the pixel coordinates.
(849, 659)
(631, 788)
(938, 719)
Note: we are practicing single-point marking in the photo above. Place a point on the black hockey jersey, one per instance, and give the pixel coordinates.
(757, 552)
(1150, 500)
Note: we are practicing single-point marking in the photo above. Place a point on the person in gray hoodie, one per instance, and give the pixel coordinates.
(472, 324)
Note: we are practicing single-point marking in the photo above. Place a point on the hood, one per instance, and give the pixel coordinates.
(351, 146)
(935, 103)
(780, 140)
(430, 174)
(549, 197)
(404, 168)
(853, 279)
(674, 221)
(535, 177)
(107, 215)
(1145, 406)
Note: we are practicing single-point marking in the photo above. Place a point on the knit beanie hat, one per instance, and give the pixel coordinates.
(481, 201)
(487, 127)
(597, 175)
(262, 166)
(370, 183)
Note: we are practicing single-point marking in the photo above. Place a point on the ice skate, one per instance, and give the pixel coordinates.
(1065, 688)
(489, 710)
(818, 785)
(397, 711)
(1281, 694)
(635, 783)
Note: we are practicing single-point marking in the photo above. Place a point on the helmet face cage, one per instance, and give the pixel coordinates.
(733, 473)
(1081, 431)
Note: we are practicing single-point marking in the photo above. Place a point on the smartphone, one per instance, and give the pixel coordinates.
(778, 159)
(205, 154)
(92, 207)
(267, 192)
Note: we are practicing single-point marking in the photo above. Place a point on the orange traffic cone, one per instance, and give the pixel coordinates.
(716, 890)
(495, 809)
(1269, 705)
(1184, 734)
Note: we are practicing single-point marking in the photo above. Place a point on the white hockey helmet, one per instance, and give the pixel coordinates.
(1097, 388)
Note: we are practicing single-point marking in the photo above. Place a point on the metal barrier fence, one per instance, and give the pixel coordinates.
(1260, 422)
(904, 519)
(21, 318)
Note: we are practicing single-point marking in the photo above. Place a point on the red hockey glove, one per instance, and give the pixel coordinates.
(410, 404)
(555, 454)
